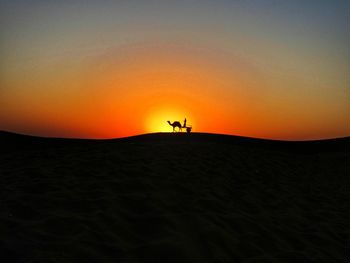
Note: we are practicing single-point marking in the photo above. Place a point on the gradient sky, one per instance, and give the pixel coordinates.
(102, 69)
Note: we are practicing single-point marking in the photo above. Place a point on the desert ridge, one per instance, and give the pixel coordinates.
(173, 198)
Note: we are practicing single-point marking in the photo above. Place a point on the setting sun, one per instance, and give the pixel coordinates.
(157, 120)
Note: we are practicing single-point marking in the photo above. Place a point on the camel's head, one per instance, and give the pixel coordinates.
(169, 122)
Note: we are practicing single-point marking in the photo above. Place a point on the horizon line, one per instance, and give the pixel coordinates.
(175, 134)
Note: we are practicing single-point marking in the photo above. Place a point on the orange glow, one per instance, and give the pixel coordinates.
(134, 90)
(106, 69)
(144, 87)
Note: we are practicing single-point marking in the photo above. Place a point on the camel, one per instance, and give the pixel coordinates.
(175, 124)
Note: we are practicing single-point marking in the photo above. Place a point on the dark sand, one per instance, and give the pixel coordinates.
(174, 198)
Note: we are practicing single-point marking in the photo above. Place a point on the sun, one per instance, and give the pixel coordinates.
(157, 120)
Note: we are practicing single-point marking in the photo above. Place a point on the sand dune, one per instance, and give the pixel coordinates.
(174, 198)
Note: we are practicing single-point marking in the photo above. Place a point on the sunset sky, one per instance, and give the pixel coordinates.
(106, 69)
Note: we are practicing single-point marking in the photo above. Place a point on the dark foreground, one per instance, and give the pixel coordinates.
(174, 198)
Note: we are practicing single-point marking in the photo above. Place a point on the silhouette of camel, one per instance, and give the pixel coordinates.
(175, 124)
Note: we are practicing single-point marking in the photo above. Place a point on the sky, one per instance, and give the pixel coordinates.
(107, 69)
